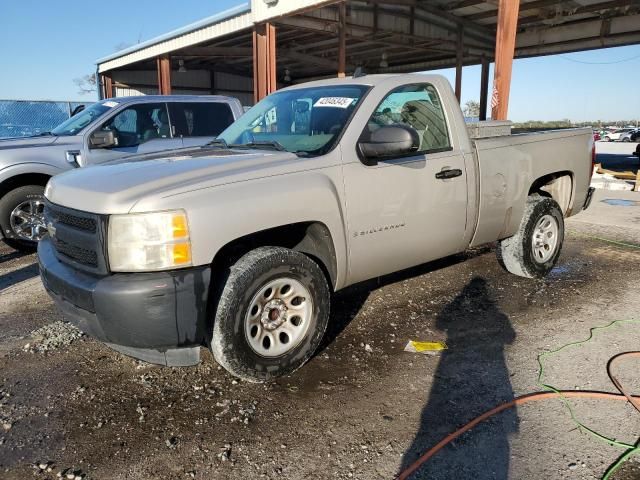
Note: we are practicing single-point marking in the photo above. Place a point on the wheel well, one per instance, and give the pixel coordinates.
(311, 238)
(22, 180)
(558, 186)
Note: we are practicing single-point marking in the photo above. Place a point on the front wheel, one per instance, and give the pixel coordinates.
(272, 314)
(534, 250)
(22, 217)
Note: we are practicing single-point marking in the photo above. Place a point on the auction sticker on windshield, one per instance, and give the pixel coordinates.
(109, 104)
(337, 102)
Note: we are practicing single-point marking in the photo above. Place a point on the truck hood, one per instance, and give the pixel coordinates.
(117, 187)
(27, 142)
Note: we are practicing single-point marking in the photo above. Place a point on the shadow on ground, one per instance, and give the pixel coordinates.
(346, 303)
(20, 275)
(13, 255)
(471, 374)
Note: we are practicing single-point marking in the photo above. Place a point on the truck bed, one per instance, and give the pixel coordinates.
(501, 189)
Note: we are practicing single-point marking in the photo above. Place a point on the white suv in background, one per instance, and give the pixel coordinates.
(616, 135)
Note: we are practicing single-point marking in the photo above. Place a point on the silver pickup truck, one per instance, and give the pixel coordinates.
(106, 130)
(238, 245)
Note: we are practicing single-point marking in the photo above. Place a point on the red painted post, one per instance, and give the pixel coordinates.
(164, 75)
(264, 61)
(505, 47)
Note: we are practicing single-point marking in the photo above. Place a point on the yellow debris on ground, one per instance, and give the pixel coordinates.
(428, 348)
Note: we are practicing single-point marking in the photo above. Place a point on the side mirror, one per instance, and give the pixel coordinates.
(388, 141)
(102, 139)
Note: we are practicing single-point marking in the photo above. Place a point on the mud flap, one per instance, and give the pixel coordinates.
(587, 201)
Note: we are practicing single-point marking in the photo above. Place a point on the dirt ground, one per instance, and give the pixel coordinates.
(362, 408)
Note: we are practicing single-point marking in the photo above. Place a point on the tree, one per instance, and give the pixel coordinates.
(86, 84)
(471, 109)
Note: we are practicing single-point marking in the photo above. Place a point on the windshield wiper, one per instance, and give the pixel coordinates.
(261, 144)
(43, 134)
(217, 142)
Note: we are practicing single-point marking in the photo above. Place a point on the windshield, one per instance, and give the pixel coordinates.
(76, 123)
(305, 121)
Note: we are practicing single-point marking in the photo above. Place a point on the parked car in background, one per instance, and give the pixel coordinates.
(631, 136)
(239, 246)
(596, 136)
(616, 135)
(107, 130)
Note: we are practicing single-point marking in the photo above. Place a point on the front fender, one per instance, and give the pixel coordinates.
(218, 215)
(14, 170)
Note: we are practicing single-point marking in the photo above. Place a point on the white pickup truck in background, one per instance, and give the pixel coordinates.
(238, 245)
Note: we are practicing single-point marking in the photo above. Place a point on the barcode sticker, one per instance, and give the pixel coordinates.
(336, 102)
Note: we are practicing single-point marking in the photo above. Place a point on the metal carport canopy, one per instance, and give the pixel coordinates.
(258, 47)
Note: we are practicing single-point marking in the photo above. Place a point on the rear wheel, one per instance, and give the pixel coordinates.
(534, 250)
(22, 217)
(272, 314)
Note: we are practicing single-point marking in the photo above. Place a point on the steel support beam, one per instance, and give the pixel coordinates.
(216, 52)
(459, 59)
(484, 88)
(107, 86)
(505, 46)
(163, 64)
(342, 39)
(264, 61)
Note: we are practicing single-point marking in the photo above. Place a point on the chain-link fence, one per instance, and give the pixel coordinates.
(23, 118)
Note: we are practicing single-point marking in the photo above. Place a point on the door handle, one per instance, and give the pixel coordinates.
(445, 174)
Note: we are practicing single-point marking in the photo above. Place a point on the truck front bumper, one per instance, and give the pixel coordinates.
(158, 317)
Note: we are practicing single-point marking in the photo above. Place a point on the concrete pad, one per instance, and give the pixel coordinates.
(612, 214)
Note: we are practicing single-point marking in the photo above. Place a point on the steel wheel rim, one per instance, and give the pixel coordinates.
(278, 317)
(545, 238)
(27, 220)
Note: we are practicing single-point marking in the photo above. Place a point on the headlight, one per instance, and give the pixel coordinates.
(143, 242)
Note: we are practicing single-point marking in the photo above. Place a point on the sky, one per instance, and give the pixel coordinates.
(45, 45)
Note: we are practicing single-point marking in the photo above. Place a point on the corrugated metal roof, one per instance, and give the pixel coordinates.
(232, 20)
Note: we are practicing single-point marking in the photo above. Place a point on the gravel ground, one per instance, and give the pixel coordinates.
(362, 408)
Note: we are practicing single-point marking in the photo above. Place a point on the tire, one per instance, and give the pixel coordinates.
(626, 139)
(607, 139)
(518, 255)
(247, 310)
(8, 203)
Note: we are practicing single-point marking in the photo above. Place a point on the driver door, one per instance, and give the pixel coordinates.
(138, 129)
(401, 211)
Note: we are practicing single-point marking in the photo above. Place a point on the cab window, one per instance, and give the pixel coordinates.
(204, 119)
(139, 124)
(419, 107)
